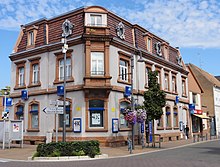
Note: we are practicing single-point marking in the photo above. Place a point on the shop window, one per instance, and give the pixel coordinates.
(68, 117)
(96, 113)
(168, 117)
(33, 123)
(123, 123)
(19, 111)
(175, 117)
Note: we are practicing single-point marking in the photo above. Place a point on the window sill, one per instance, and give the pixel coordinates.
(97, 77)
(67, 129)
(124, 82)
(33, 130)
(19, 87)
(160, 128)
(96, 130)
(61, 81)
(30, 46)
(184, 95)
(174, 93)
(169, 128)
(34, 85)
(176, 128)
(124, 129)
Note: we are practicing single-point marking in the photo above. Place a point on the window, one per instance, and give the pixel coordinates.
(158, 76)
(174, 84)
(97, 63)
(123, 122)
(96, 20)
(96, 113)
(68, 117)
(168, 117)
(123, 68)
(34, 72)
(33, 123)
(149, 45)
(21, 76)
(183, 87)
(160, 122)
(31, 38)
(68, 69)
(166, 82)
(175, 117)
(19, 112)
(60, 67)
(195, 98)
(147, 70)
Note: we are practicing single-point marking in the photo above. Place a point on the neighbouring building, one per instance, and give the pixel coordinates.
(210, 97)
(103, 48)
(198, 119)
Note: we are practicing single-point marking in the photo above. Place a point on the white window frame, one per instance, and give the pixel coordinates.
(123, 70)
(174, 84)
(68, 68)
(149, 41)
(35, 78)
(21, 76)
(97, 63)
(166, 81)
(31, 38)
(97, 19)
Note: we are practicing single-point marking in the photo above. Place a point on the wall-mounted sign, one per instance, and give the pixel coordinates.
(114, 125)
(77, 125)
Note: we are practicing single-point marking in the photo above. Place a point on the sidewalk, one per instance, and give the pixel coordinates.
(17, 153)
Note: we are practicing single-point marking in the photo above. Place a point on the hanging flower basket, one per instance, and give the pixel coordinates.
(138, 115)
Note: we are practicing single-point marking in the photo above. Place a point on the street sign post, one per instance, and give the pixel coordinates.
(53, 110)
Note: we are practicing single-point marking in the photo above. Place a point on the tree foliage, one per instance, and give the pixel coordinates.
(2, 91)
(154, 98)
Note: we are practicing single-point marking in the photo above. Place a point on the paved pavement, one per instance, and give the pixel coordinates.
(17, 153)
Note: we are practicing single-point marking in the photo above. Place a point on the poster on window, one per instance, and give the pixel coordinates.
(96, 118)
(16, 127)
(114, 125)
(77, 125)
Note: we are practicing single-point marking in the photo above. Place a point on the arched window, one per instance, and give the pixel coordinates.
(33, 118)
(123, 122)
(175, 117)
(168, 117)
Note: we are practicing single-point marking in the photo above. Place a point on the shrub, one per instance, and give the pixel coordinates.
(76, 148)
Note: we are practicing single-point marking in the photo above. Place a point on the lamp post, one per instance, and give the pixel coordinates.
(132, 85)
(67, 30)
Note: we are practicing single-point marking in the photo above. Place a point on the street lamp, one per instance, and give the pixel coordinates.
(67, 27)
(5, 99)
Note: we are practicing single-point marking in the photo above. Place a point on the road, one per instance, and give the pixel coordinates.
(206, 154)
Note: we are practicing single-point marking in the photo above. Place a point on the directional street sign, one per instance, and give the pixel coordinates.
(58, 102)
(53, 110)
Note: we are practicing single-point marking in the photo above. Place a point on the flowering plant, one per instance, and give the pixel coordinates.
(138, 115)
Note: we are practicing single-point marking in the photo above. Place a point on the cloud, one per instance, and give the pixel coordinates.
(184, 23)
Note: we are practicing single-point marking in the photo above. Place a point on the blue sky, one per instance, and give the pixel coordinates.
(192, 25)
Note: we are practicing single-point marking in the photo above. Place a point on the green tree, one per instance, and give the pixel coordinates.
(154, 99)
(2, 91)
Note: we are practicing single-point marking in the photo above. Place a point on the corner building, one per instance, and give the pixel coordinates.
(99, 62)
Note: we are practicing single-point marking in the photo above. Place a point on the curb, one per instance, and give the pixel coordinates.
(67, 158)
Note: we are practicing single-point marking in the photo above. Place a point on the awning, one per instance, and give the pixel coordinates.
(201, 116)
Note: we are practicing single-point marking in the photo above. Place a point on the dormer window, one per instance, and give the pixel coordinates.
(96, 20)
(31, 38)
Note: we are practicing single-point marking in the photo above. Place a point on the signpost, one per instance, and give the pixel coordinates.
(55, 110)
